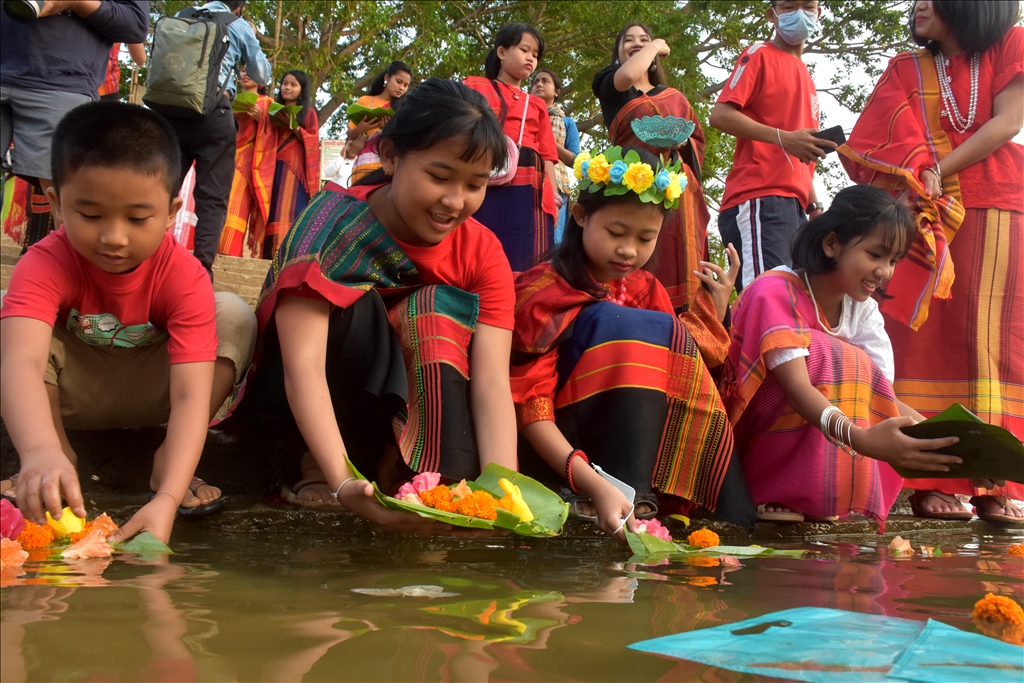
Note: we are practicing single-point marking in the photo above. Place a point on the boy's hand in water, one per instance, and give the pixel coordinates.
(358, 497)
(886, 442)
(156, 517)
(720, 282)
(44, 476)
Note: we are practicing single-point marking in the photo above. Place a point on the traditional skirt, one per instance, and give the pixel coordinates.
(789, 462)
(971, 348)
(515, 213)
(287, 201)
(634, 394)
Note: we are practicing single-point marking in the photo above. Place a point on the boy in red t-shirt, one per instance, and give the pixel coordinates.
(110, 323)
(770, 105)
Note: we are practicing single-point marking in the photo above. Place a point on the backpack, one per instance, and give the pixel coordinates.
(184, 68)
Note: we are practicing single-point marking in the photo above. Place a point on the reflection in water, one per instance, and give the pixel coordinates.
(265, 608)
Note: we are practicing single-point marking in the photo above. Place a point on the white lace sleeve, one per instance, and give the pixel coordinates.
(776, 357)
(868, 332)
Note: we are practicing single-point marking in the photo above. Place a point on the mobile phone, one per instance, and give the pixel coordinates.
(834, 134)
(625, 489)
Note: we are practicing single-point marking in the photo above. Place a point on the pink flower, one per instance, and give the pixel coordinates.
(654, 528)
(411, 498)
(93, 545)
(729, 561)
(420, 483)
(11, 520)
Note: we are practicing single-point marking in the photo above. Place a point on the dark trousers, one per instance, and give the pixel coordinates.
(210, 143)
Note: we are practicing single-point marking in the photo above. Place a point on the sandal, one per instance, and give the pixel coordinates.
(292, 495)
(574, 500)
(918, 511)
(199, 510)
(996, 518)
(648, 499)
(786, 516)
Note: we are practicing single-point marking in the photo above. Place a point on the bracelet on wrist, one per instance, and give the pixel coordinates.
(574, 453)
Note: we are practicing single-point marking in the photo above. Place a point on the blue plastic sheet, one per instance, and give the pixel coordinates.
(835, 646)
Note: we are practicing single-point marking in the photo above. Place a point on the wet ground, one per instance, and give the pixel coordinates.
(264, 592)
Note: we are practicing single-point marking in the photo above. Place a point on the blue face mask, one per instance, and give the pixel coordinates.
(797, 26)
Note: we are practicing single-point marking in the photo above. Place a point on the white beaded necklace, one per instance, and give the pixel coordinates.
(949, 108)
(817, 311)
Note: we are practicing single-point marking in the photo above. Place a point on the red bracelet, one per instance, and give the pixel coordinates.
(575, 453)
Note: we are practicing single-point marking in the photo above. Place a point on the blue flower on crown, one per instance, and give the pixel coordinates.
(584, 167)
(662, 180)
(617, 172)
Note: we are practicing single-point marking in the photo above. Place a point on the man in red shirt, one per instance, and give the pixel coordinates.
(770, 105)
(109, 322)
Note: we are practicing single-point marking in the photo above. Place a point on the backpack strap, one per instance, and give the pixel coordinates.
(222, 18)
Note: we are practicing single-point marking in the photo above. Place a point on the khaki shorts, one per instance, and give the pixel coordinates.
(104, 387)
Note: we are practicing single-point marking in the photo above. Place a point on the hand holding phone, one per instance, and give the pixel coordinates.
(834, 134)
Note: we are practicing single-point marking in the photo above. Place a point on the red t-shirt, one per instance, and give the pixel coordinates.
(997, 181)
(168, 294)
(470, 258)
(774, 88)
(537, 135)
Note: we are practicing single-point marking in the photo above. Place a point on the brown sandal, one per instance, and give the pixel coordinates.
(915, 499)
(993, 518)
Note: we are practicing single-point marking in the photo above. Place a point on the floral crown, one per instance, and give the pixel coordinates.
(617, 174)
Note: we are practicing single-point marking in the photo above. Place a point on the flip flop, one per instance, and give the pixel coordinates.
(291, 495)
(788, 516)
(961, 515)
(1001, 519)
(648, 499)
(199, 510)
(574, 499)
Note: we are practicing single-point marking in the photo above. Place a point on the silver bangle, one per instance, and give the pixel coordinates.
(338, 492)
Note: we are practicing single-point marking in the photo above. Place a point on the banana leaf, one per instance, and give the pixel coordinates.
(243, 100)
(986, 450)
(647, 548)
(549, 510)
(144, 544)
(293, 112)
(358, 112)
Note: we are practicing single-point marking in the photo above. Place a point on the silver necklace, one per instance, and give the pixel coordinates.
(817, 311)
(949, 108)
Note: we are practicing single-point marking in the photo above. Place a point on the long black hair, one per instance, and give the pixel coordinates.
(377, 87)
(510, 36)
(569, 259)
(976, 25)
(440, 112)
(855, 213)
(304, 99)
(655, 72)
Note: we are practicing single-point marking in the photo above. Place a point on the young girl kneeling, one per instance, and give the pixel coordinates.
(603, 371)
(372, 302)
(809, 373)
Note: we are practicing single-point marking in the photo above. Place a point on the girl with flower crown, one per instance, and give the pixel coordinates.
(604, 372)
(633, 86)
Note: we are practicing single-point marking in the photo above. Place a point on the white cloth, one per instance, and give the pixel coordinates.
(861, 324)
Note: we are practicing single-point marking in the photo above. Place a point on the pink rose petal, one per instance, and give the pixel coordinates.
(12, 522)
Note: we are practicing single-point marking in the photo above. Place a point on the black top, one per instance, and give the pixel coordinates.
(66, 52)
(612, 100)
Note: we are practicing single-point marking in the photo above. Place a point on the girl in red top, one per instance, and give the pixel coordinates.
(602, 364)
(369, 308)
(939, 127)
(522, 212)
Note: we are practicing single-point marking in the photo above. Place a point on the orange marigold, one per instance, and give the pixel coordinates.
(703, 561)
(1016, 550)
(1008, 633)
(702, 538)
(35, 536)
(439, 498)
(103, 522)
(999, 608)
(477, 504)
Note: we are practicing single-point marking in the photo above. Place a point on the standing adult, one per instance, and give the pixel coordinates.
(48, 67)
(210, 141)
(388, 86)
(632, 87)
(770, 106)
(939, 126)
(297, 173)
(548, 86)
(110, 88)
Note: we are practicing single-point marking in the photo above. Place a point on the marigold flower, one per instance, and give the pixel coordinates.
(34, 536)
(477, 504)
(11, 554)
(999, 608)
(1008, 633)
(439, 498)
(639, 177)
(599, 170)
(675, 187)
(577, 165)
(702, 580)
(702, 538)
(703, 561)
(1016, 550)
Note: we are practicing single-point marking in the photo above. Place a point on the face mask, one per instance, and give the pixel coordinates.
(796, 27)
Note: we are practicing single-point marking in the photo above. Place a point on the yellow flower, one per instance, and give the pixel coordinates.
(513, 501)
(598, 171)
(639, 177)
(577, 165)
(674, 190)
(66, 525)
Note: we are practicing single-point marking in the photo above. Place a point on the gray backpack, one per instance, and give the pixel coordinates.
(184, 68)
